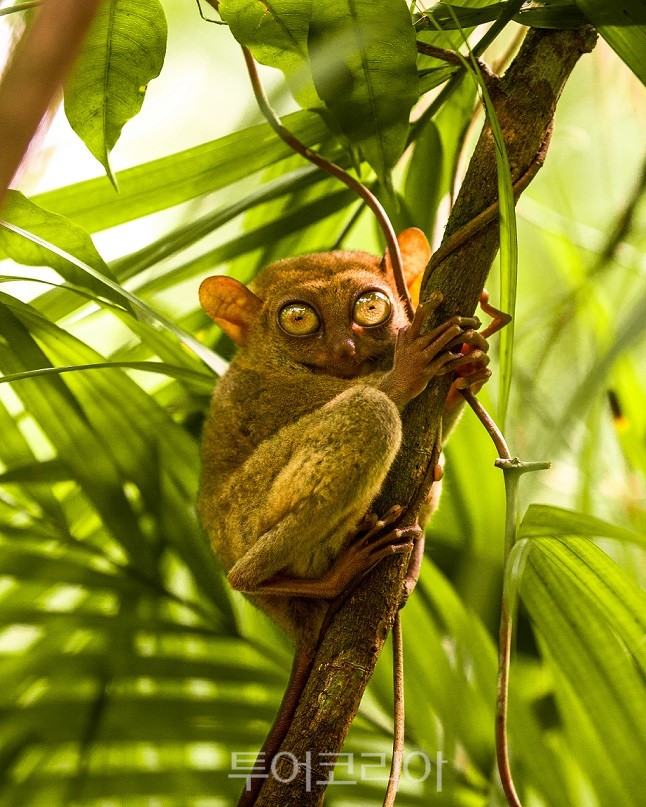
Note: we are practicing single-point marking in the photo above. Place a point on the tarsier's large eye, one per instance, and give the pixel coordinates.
(371, 308)
(298, 319)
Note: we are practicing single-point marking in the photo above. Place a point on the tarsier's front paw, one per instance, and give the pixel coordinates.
(471, 368)
(418, 358)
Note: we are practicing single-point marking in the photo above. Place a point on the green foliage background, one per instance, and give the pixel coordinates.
(129, 672)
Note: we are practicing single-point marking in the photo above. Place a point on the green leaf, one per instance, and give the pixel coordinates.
(450, 17)
(543, 519)
(508, 248)
(364, 65)
(204, 380)
(168, 181)
(123, 51)
(276, 34)
(423, 178)
(622, 24)
(431, 171)
(297, 219)
(58, 230)
(63, 420)
(18, 7)
(211, 359)
(589, 615)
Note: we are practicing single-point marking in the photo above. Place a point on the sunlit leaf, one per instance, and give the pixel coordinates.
(548, 520)
(171, 180)
(122, 52)
(590, 617)
(60, 231)
(276, 34)
(623, 25)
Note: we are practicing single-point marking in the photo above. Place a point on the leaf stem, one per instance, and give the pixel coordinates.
(513, 469)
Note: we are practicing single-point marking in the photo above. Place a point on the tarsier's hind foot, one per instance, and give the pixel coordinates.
(375, 539)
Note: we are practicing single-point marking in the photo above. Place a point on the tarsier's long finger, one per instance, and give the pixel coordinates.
(473, 339)
(462, 322)
(387, 520)
(423, 310)
(367, 522)
(500, 318)
(442, 364)
(431, 349)
(394, 541)
(477, 357)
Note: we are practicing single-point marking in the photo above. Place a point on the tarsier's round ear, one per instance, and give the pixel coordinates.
(230, 305)
(416, 253)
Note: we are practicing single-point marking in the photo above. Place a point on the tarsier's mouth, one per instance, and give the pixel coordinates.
(346, 370)
(337, 372)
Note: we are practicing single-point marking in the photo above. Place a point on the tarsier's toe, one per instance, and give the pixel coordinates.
(368, 522)
(392, 515)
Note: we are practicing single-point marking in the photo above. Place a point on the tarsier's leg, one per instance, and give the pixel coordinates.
(337, 460)
(365, 548)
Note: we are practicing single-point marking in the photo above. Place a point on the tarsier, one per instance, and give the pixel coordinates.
(306, 423)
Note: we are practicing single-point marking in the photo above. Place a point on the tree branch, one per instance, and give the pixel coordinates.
(525, 100)
(40, 65)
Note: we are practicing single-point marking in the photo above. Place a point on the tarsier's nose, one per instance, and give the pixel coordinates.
(344, 348)
(344, 361)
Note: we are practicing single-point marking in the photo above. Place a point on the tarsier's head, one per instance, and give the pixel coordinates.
(335, 313)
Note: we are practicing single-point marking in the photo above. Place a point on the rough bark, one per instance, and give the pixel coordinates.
(525, 100)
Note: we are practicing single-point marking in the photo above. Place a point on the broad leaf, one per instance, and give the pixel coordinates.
(542, 519)
(622, 24)
(276, 34)
(590, 618)
(123, 51)
(168, 181)
(364, 59)
(58, 230)
(453, 16)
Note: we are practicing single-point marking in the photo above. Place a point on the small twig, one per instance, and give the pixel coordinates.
(214, 4)
(455, 58)
(359, 188)
(512, 469)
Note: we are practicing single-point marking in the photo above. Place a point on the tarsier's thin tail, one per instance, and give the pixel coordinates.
(300, 673)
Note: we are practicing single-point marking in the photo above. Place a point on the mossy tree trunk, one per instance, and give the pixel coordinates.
(525, 100)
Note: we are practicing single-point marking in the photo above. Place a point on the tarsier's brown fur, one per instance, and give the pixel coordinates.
(303, 429)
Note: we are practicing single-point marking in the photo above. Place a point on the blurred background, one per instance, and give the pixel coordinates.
(130, 673)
